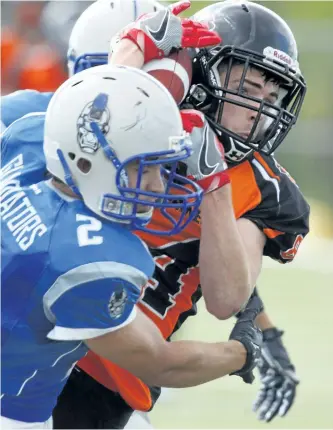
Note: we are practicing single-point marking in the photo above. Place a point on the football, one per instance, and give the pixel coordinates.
(174, 72)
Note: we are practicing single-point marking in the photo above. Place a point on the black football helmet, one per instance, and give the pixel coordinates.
(254, 37)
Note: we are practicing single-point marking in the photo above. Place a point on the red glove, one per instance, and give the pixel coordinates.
(206, 165)
(157, 33)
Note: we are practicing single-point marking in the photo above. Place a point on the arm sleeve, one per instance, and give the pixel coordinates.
(86, 302)
(284, 219)
(20, 103)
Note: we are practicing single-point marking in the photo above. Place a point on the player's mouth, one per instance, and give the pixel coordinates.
(143, 208)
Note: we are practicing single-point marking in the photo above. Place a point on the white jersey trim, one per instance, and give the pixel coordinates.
(64, 333)
(87, 273)
(268, 178)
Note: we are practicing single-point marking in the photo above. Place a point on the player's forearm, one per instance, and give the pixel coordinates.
(188, 363)
(140, 348)
(126, 53)
(224, 269)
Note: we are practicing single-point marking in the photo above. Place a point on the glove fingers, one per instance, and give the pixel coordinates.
(275, 406)
(203, 41)
(179, 7)
(287, 401)
(196, 35)
(258, 401)
(189, 23)
(294, 379)
(266, 404)
(271, 379)
(191, 119)
(209, 37)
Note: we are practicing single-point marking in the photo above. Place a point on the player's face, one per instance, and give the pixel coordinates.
(151, 180)
(239, 119)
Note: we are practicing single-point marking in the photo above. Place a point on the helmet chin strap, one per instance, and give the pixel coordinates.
(68, 176)
(231, 153)
(145, 217)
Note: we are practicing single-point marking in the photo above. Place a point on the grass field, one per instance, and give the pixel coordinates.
(299, 301)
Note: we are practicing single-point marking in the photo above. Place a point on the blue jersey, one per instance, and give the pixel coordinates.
(20, 103)
(67, 276)
(26, 136)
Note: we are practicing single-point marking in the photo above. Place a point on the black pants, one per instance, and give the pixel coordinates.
(86, 404)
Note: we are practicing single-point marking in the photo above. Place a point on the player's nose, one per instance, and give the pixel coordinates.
(156, 184)
(253, 113)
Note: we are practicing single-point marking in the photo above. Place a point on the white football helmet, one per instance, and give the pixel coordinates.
(107, 117)
(91, 35)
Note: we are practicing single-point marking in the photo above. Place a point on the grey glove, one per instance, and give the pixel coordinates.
(246, 332)
(278, 378)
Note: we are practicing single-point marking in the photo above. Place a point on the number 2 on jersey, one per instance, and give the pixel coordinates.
(84, 231)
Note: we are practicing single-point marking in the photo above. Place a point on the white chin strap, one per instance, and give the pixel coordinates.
(146, 215)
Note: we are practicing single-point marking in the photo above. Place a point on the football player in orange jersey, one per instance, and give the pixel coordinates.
(260, 194)
(251, 90)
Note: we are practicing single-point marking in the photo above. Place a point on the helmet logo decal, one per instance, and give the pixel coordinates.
(275, 54)
(95, 111)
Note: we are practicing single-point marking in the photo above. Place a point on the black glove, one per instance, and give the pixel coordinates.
(278, 378)
(246, 332)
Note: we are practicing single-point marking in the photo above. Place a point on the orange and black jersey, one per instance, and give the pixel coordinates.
(262, 192)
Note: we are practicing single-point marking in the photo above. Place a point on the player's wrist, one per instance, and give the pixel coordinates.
(248, 362)
(214, 182)
(127, 53)
(144, 44)
(239, 354)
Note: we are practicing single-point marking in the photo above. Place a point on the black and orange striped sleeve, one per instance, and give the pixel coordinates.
(282, 212)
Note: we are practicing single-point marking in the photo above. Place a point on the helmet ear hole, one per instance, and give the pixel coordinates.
(71, 155)
(84, 165)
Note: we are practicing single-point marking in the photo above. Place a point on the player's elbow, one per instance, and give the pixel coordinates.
(225, 307)
(221, 312)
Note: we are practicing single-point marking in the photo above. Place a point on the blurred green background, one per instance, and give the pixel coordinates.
(299, 301)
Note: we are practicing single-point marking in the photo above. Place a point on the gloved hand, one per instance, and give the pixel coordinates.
(206, 165)
(278, 378)
(156, 34)
(246, 332)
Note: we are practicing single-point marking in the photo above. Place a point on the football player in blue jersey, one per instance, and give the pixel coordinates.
(72, 270)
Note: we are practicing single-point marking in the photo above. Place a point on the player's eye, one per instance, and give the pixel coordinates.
(243, 91)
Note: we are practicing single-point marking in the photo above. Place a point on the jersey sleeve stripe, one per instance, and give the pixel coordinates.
(271, 233)
(269, 171)
(268, 178)
(64, 333)
(88, 273)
